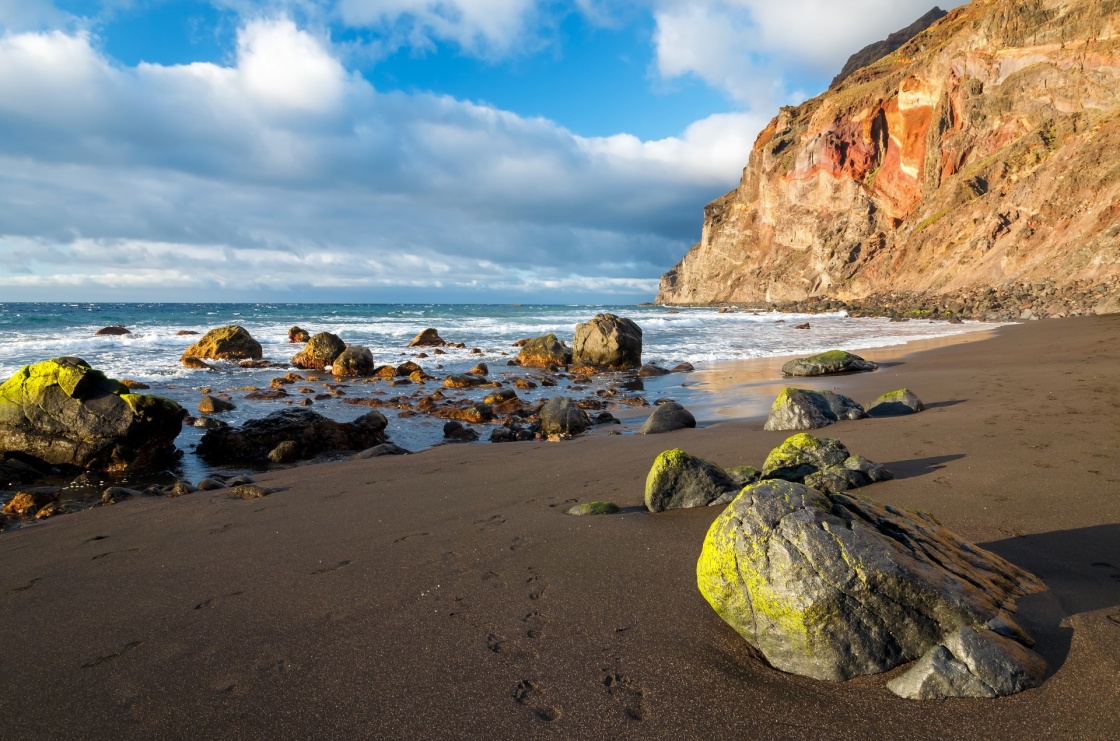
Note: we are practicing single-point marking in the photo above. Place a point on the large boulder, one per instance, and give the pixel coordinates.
(541, 352)
(826, 363)
(561, 416)
(805, 409)
(319, 352)
(895, 404)
(832, 586)
(610, 341)
(224, 343)
(353, 361)
(678, 480)
(822, 464)
(309, 432)
(428, 338)
(667, 417)
(63, 412)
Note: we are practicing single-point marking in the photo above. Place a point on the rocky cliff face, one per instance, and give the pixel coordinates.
(985, 152)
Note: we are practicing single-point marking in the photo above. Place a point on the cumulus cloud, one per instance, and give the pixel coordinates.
(751, 49)
(284, 169)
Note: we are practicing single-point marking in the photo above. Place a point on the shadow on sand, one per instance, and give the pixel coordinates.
(913, 467)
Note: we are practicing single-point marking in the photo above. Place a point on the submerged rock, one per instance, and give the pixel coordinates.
(609, 341)
(541, 352)
(895, 403)
(667, 417)
(309, 432)
(822, 464)
(214, 405)
(224, 343)
(805, 409)
(319, 352)
(831, 586)
(115, 330)
(826, 363)
(561, 416)
(678, 480)
(63, 412)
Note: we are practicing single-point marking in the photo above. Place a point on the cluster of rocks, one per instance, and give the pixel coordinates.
(832, 586)
(1011, 302)
(239, 487)
(807, 409)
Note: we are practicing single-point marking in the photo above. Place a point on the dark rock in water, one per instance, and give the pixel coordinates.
(682, 368)
(113, 331)
(224, 343)
(826, 363)
(380, 450)
(319, 352)
(805, 409)
(295, 334)
(428, 338)
(895, 403)
(196, 364)
(186, 332)
(209, 423)
(667, 417)
(455, 431)
(211, 483)
(214, 405)
(594, 508)
(134, 385)
(464, 381)
(832, 586)
(114, 494)
(650, 370)
(285, 452)
(407, 368)
(541, 352)
(971, 663)
(822, 464)
(62, 412)
(16, 471)
(605, 418)
(609, 341)
(28, 502)
(311, 433)
(561, 416)
(353, 361)
(678, 480)
(480, 370)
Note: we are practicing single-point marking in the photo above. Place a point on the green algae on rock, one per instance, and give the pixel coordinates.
(63, 412)
(678, 480)
(823, 464)
(828, 363)
(805, 409)
(895, 403)
(832, 586)
(594, 508)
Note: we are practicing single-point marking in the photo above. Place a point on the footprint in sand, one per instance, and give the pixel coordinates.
(534, 625)
(109, 657)
(496, 642)
(629, 696)
(1115, 575)
(529, 695)
(24, 587)
(492, 521)
(215, 600)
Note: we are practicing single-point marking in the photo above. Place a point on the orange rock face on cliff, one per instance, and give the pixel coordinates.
(985, 150)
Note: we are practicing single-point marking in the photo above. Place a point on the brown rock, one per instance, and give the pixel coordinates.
(544, 351)
(353, 361)
(480, 370)
(134, 385)
(224, 343)
(185, 332)
(428, 338)
(320, 351)
(112, 331)
(196, 364)
(214, 405)
(295, 334)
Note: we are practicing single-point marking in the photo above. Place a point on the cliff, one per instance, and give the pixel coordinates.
(874, 52)
(985, 152)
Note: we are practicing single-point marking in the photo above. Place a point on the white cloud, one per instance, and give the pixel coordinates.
(750, 49)
(285, 169)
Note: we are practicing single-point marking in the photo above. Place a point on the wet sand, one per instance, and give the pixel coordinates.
(447, 595)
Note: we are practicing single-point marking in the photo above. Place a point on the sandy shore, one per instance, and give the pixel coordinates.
(447, 595)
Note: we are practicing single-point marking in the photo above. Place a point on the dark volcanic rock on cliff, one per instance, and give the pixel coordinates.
(874, 52)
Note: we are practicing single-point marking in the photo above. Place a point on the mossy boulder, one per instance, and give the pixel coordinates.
(541, 352)
(832, 586)
(895, 403)
(561, 416)
(805, 409)
(667, 417)
(309, 432)
(224, 343)
(319, 352)
(827, 363)
(678, 480)
(353, 361)
(744, 475)
(822, 464)
(63, 412)
(608, 341)
(594, 508)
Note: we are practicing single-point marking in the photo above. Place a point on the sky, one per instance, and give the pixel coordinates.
(477, 151)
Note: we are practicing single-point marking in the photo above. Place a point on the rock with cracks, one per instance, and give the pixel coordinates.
(805, 409)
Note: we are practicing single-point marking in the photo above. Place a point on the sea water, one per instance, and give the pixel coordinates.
(32, 332)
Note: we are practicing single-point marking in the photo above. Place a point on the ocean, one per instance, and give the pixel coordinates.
(704, 337)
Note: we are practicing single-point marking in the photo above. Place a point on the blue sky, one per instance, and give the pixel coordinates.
(387, 150)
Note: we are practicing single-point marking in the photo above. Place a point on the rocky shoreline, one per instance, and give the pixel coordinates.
(1004, 303)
